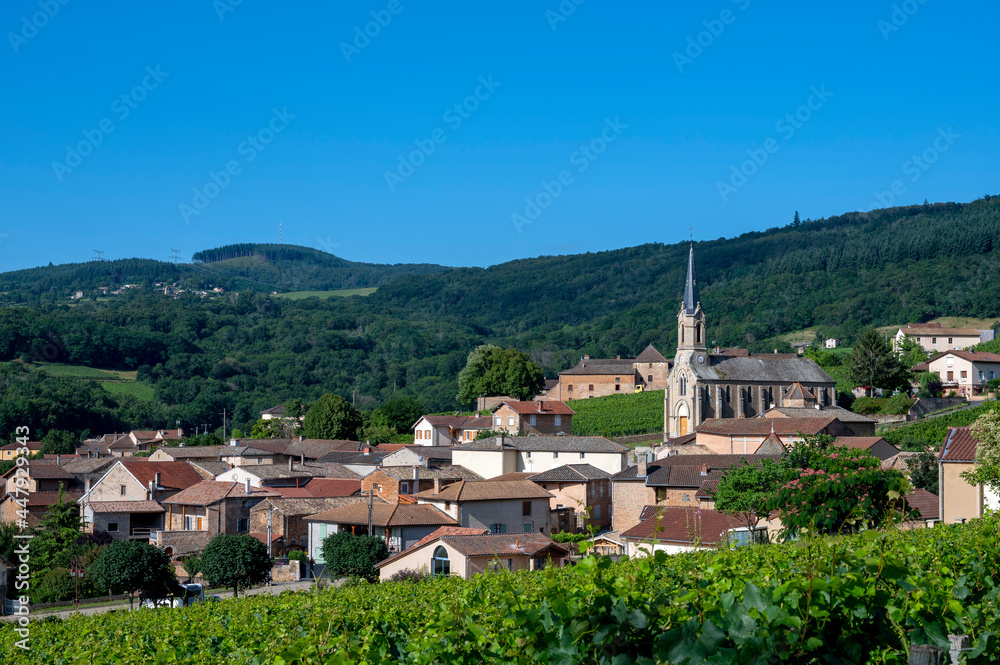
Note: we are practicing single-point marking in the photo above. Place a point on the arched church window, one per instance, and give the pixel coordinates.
(682, 333)
(697, 333)
(683, 386)
(727, 394)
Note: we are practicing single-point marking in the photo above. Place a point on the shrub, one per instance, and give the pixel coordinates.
(298, 555)
(236, 562)
(53, 585)
(865, 405)
(127, 566)
(347, 554)
(567, 537)
(409, 575)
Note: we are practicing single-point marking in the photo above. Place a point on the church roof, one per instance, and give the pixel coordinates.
(769, 369)
(772, 445)
(650, 355)
(595, 366)
(798, 391)
(691, 295)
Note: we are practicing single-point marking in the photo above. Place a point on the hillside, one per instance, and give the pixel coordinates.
(248, 351)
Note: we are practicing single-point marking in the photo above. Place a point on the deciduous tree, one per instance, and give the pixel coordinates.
(332, 417)
(127, 566)
(747, 490)
(348, 554)
(491, 370)
(235, 561)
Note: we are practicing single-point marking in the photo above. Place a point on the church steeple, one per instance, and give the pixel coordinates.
(691, 297)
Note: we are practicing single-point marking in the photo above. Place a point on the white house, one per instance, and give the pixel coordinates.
(965, 372)
(497, 456)
(448, 430)
(935, 338)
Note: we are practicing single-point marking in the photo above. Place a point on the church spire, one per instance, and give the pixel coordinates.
(691, 297)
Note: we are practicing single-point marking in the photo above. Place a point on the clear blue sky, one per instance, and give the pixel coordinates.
(679, 124)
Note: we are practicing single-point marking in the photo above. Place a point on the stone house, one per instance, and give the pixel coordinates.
(468, 552)
(392, 482)
(419, 456)
(139, 441)
(501, 506)
(679, 481)
(533, 417)
(269, 475)
(602, 377)
(209, 508)
(446, 431)
(729, 436)
(497, 456)
(674, 529)
(959, 500)
(581, 487)
(9, 451)
(289, 529)
(400, 524)
(234, 455)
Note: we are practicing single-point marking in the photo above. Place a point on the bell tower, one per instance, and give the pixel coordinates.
(691, 318)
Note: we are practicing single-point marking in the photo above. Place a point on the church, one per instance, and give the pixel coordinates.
(732, 383)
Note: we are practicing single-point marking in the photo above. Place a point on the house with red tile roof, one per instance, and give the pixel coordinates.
(728, 436)
(935, 338)
(539, 418)
(965, 372)
(958, 499)
(465, 552)
(446, 431)
(400, 524)
(502, 506)
(674, 529)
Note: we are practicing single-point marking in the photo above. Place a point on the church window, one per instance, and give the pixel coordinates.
(682, 334)
(683, 387)
(697, 333)
(728, 399)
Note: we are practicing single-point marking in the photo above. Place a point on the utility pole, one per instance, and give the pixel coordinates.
(223, 427)
(99, 252)
(371, 498)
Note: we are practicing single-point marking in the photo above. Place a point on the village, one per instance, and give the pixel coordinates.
(511, 486)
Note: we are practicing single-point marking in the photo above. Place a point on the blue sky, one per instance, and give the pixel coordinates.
(579, 127)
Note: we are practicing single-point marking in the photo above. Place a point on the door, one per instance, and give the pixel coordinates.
(684, 426)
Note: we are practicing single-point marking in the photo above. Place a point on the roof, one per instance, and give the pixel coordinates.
(650, 355)
(180, 452)
(859, 442)
(798, 391)
(571, 473)
(841, 414)
(427, 452)
(208, 492)
(458, 422)
(274, 411)
(385, 515)
(51, 471)
(514, 475)
(925, 503)
(30, 445)
(696, 462)
(272, 471)
(772, 445)
(317, 448)
(331, 470)
(211, 466)
(299, 506)
(570, 444)
(938, 329)
(501, 544)
(763, 426)
(971, 356)
(448, 531)
(86, 465)
(450, 472)
(174, 475)
(600, 366)
(486, 490)
(52, 498)
(125, 506)
(332, 487)
(372, 459)
(691, 297)
(769, 368)
(684, 525)
(959, 445)
(540, 407)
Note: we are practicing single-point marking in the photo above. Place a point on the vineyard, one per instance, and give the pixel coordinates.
(852, 599)
(618, 415)
(930, 433)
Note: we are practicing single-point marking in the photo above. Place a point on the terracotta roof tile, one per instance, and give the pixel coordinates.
(571, 473)
(763, 426)
(924, 503)
(501, 544)
(540, 407)
(52, 498)
(959, 445)
(486, 490)
(650, 355)
(125, 506)
(207, 492)
(684, 525)
(173, 475)
(385, 515)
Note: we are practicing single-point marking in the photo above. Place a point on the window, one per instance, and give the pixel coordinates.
(583, 455)
(510, 421)
(649, 378)
(188, 523)
(684, 386)
(526, 508)
(951, 376)
(661, 494)
(404, 488)
(618, 387)
(199, 523)
(528, 454)
(440, 564)
(528, 527)
(112, 527)
(558, 419)
(993, 374)
(242, 525)
(950, 340)
(965, 375)
(597, 512)
(950, 361)
(123, 490)
(249, 503)
(555, 455)
(618, 379)
(591, 387)
(685, 497)
(933, 340)
(498, 421)
(498, 528)
(532, 420)
(447, 505)
(569, 388)
(260, 460)
(600, 487)
(981, 375)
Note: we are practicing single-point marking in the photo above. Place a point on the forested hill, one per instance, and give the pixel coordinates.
(248, 351)
(249, 267)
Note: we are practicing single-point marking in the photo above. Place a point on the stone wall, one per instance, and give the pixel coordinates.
(287, 572)
(925, 405)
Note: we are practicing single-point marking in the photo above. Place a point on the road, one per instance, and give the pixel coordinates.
(274, 589)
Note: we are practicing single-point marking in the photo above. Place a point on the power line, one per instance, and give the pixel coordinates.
(175, 257)
(99, 252)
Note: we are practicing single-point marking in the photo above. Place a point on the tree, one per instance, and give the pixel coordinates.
(746, 491)
(348, 554)
(59, 442)
(911, 353)
(986, 471)
(491, 370)
(54, 539)
(399, 412)
(332, 417)
(273, 428)
(796, 221)
(836, 490)
(127, 566)
(873, 363)
(236, 561)
(930, 384)
(192, 565)
(924, 471)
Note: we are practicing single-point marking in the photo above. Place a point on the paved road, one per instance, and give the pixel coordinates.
(275, 589)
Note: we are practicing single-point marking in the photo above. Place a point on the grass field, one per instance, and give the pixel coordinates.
(343, 293)
(114, 381)
(142, 391)
(618, 415)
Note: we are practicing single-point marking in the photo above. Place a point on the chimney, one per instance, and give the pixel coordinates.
(302, 458)
(540, 409)
(157, 481)
(233, 442)
(477, 413)
(367, 449)
(248, 486)
(618, 357)
(437, 485)
(641, 471)
(289, 463)
(180, 432)
(301, 438)
(500, 441)
(58, 459)
(86, 485)
(704, 469)
(416, 473)
(586, 357)
(150, 491)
